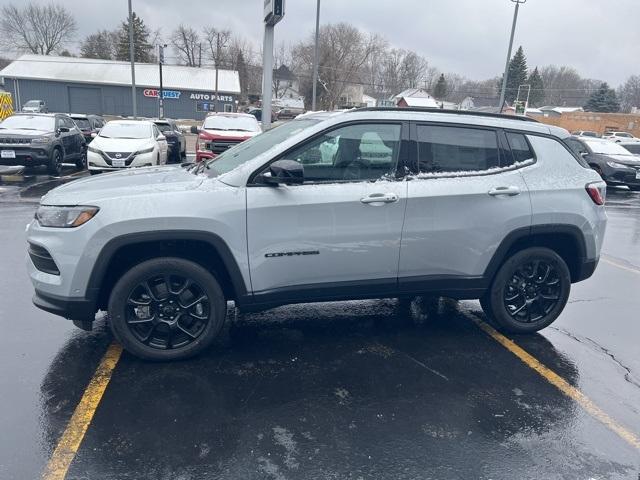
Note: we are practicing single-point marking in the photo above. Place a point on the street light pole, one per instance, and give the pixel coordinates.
(133, 64)
(161, 92)
(506, 67)
(315, 59)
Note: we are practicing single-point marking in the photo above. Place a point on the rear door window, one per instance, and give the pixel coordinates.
(456, 149)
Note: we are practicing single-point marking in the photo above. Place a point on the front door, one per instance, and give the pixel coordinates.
(468, 195)
(340, 230)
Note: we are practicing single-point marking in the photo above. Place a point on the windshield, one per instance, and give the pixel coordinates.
(633, 148)
(126, 130)
(606, 148)
(29, 122)
(164, 127)
(32, 103)
(248, 150)
(82, 123)
(624, 135)
(224, 122)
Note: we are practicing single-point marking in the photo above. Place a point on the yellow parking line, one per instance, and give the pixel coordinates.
(559, 382)
(69, 443)
(620, 265)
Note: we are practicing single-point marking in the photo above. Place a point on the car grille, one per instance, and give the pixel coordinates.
(118, 155)
(14, 141)
(42, 259)
(220, 146)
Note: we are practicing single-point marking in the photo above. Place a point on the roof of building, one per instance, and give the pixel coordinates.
(561, 110)
(412, 92)
(419, 101)
(109, 72)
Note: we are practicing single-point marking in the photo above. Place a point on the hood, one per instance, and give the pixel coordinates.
(17, 132)
(121, 144)
(226, 134)
(128, 183)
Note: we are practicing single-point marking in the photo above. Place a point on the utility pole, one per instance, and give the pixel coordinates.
(161, 92)
(506, 67)
(315, 58)
(220, 42)
(133, 64)
(200, 55)
(273, 13)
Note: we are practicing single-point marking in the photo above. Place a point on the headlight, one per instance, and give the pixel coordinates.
(93, 149)
(64, 217)
(146, 150)
(202, 145)
(617, 165)
(41, 140)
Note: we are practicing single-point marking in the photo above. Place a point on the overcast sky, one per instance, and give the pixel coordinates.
(600, 39)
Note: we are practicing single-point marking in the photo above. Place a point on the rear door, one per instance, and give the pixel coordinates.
(467, 196)
(339, 232)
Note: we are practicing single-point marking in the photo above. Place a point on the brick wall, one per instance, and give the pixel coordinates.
(597, 122)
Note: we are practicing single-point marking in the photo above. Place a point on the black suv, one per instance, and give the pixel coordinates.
(89, 125)
(176, 141)
(41, 139)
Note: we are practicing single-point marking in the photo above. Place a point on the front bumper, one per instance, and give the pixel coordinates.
(79, 309)
(203, 155)
(95, 161)
(26, 155)
(621, 176)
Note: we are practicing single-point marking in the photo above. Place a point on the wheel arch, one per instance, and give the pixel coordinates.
(204, 248)
(566, 240)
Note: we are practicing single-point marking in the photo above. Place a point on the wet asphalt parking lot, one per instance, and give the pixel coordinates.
(352, 390)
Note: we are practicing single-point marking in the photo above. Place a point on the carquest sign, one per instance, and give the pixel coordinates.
(153, 93)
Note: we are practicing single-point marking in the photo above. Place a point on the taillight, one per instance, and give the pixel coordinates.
(597, 191)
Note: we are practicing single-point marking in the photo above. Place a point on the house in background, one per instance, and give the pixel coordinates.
(415, 97)
(551, 111)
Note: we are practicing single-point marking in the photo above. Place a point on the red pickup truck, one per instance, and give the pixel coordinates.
(221, 131)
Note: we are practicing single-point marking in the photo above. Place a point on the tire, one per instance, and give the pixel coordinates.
(81, 163)
(524, 296)
(54, 168)
(163, 339)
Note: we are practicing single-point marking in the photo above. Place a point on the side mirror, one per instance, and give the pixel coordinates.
(584, 154)
(195, 130)
(161, 137)
(95, 134)
(287, 172)
(63, 129)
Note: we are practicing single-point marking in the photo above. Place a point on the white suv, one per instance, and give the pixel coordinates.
(369, 203)
(620, 137)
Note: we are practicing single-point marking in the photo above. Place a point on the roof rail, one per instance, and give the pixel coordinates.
(440, 110)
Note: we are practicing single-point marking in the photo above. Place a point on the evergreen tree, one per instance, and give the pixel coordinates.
(603, 100)
(441, 88)
(536, 96)
(517, 75)
(143, 50)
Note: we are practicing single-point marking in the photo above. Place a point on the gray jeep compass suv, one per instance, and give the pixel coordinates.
(369, 203)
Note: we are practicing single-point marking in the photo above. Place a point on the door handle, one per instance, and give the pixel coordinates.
(380, 198)
(508, 191)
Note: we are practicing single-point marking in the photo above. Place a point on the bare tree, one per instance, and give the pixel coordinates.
(39, 29)
(102, 45)
(217, 42)
(344, 51)
(187, 45)
(629, 93)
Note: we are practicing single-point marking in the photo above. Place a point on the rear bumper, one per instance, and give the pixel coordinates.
(70, 308)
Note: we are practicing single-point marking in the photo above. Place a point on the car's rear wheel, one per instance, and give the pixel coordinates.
(166, 309)
(55, 163)
(529, 291)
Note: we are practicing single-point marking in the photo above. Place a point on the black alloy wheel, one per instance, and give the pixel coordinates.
(529, 291)
(55, 163)
(81, 163)
(166, 309)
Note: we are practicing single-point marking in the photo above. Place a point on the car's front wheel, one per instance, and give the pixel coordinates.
(55, 163)
(166, 309)
(81, 163)
(529, 291)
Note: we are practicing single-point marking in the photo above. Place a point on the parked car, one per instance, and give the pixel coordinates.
(35, 106)
(49, 139)
(220, 131)
(89, 125)
(585, 133)
(518, 219)
(126, 143)
(614, 163)
(619, 137)
(257, 112)
(632, 147)
(176, 140)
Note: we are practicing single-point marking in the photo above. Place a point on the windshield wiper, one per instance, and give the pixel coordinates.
(243, 130)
